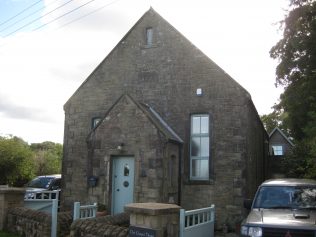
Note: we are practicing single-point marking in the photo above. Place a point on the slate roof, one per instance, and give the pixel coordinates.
(276, 129)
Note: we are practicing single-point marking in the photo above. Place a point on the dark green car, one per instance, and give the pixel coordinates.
(282, 208)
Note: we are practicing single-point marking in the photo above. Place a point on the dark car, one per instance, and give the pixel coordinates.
(282, 208)
(42, 183)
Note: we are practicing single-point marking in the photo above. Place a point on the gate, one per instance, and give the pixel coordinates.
(41, 201)
(197, 223)
(46, 201)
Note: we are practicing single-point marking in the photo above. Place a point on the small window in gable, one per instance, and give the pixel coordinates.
(95, 122)
(277, 150)
(149, 36)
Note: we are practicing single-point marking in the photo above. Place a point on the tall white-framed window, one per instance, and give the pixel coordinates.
(199, 147)
(277, 150)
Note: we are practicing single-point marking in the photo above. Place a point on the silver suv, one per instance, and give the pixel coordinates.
(282, 208)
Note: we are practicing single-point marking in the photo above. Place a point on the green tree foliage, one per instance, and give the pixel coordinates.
(47, 158)
(275, 119)
(16, 164)
(301, 162)
(296, 71)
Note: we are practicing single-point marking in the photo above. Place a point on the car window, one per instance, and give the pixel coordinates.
(55, 184)
(39, 182)
(286, 197)
(304, 197)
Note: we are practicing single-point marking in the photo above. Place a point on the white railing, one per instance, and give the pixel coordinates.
(84, 212)
(197, 223)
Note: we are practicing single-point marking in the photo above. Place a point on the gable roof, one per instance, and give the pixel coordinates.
(152, 116)
(153, 12)
(160, 123)
(276, 129)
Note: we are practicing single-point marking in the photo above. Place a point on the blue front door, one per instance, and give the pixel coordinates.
(122, 183)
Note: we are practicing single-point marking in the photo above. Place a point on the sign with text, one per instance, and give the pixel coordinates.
(135, 231)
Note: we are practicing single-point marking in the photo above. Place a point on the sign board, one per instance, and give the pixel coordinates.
(135, 231)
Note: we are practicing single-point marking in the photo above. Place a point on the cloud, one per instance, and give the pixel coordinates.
(16, 111)
(40, 70)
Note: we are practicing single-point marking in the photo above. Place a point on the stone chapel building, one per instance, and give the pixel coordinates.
(158, 121)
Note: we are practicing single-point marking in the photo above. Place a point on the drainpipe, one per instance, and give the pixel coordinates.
(180, 174)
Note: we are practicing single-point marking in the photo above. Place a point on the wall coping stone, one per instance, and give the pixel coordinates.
(151, 208)
(12, 190)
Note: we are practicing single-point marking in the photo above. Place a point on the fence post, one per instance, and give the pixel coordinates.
(182, 222)
(76, 210)
(94, 210)
(54, 218)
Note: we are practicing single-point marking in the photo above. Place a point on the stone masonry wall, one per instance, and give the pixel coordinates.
(127, 124)
(32, 223)
(166, 76)
(107, 226)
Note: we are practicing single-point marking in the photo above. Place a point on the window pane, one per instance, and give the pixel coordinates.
(277, 150)
(149, 36)
(126, 170)
(196, 125)
(205, 146)
(195, 146)
(200, 169)
(95, 122)
(204, 124)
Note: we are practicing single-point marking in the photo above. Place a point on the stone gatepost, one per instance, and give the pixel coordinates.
(153, 219)
(9, 198)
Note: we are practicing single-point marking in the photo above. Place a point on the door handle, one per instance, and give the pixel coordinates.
(118, 189)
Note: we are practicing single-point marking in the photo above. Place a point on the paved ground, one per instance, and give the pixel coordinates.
(221, 234)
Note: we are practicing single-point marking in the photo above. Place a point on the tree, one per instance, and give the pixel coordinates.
(275, 119)
(47, 158)
(296, 71)
(301, 162)
(16, 166)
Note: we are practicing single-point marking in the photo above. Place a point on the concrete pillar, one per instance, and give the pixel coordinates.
(9, 198)
(153, 219)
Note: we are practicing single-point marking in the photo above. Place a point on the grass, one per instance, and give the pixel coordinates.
(5, 234)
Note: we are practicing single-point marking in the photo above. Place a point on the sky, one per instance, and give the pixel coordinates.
(49, 47)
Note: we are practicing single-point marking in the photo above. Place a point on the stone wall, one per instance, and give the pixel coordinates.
(156, 159)
(32, 223)
(166, 76)
(9, 198)
(106, 226)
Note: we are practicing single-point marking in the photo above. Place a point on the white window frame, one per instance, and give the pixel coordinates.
(200, 157)
(277, 150)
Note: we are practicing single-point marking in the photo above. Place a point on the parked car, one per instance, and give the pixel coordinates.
(282, 207)
(42, 183)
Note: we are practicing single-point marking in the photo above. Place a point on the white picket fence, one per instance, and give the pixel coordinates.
(197, 223)
(84, 212)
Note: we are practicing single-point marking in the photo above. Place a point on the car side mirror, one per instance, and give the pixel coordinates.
(248, 203)
(55, 187)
